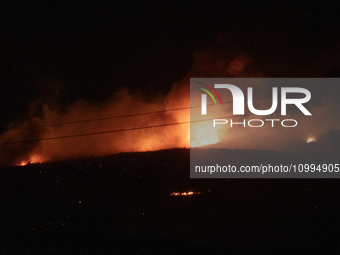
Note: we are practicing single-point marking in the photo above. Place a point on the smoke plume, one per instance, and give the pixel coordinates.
(30, 140)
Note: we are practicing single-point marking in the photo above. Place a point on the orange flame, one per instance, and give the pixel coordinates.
(189, 193)
(311, 140)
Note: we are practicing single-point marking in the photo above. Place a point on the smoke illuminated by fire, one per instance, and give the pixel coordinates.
(203, 134)
(207, 63)
(311, 140)
(34, 159)
(121, 103)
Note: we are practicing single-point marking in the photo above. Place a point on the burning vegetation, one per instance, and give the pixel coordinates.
(128, 122)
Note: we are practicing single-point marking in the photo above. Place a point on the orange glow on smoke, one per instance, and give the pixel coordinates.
(121, 103)
(203, 133)
(34, 159)
(132, 135)
(311, 140)
(165, 136)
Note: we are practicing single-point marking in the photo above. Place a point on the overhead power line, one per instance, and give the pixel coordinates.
(114, 131)
(116, 117)
(131, 129)
(96, 133)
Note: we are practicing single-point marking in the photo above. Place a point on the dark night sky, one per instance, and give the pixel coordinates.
(93, 49)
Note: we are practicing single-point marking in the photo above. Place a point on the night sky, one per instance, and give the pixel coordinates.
(80, 50)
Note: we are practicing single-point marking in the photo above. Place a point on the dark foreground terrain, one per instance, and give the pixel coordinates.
(122, 205)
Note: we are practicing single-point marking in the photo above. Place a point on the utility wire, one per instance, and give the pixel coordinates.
(126, 116)
(131, 129)
(96, 133)
(114, 131)
(116, 117)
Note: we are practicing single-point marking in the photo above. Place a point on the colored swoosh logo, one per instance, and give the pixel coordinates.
(208, 92)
